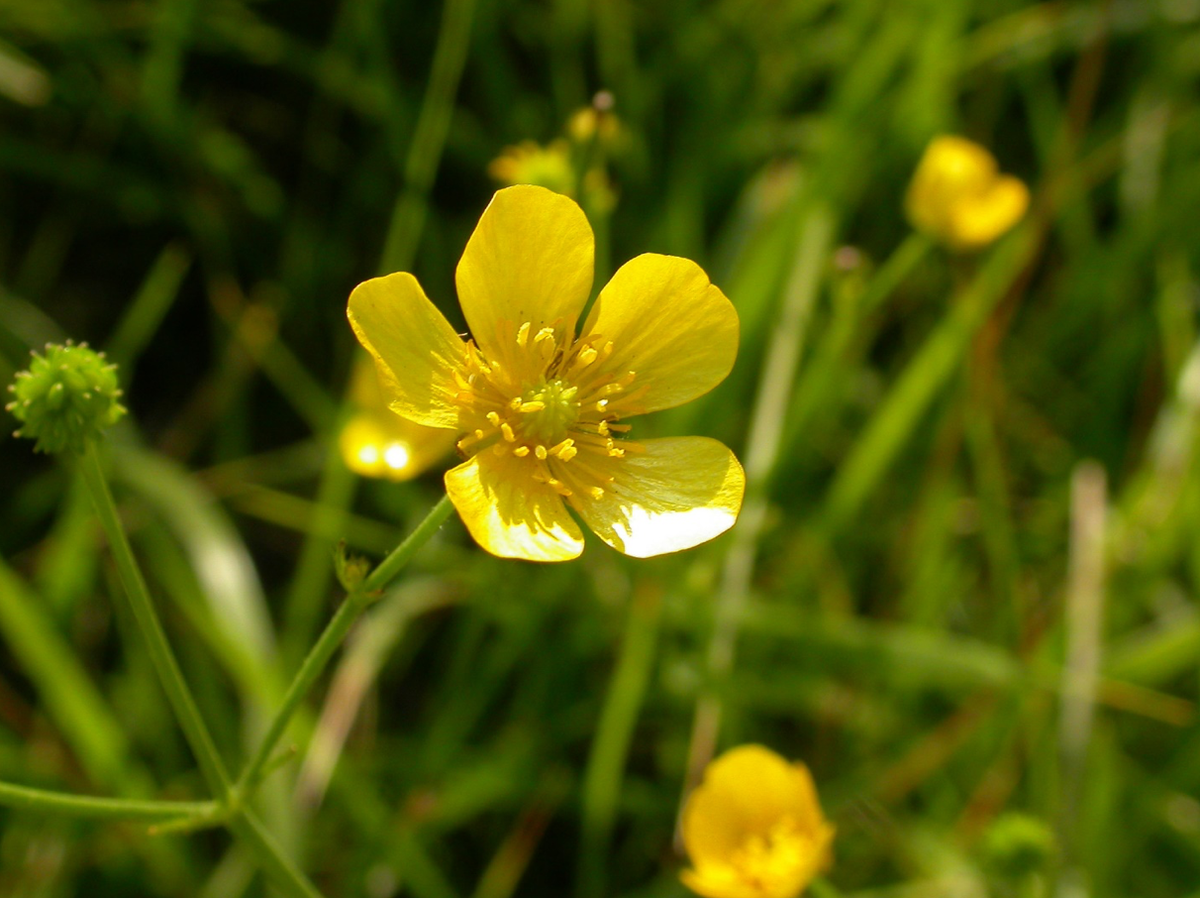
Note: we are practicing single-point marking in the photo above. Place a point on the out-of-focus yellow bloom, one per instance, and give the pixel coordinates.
(376, 442)
(754, 828)
(539, 406)
(589, 124)
(531, 163)
(958, 196)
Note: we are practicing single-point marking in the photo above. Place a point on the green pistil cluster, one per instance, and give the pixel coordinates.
(67, 395)
(551, 410)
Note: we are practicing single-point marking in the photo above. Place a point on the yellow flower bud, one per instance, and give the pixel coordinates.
(958, 197)
(754, 828)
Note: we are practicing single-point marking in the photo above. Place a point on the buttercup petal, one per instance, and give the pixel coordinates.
(530, 259)
(416, 350)
(678, 493)
(720, 881)
(744, 791)
(509, 513)
(978, 220)
(670, 325)
(382, 444)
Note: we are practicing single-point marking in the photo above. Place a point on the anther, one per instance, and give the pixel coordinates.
(493, 419)
(546, 333)
(540, 451)
(521, 451)
(507, 431)
(523, 334)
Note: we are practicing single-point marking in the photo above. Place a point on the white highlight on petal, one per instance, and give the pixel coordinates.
(647, 533)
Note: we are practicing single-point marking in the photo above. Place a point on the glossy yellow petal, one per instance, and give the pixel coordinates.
(978, 220)
(670, 325)
(416, 350)
(677, 493)
(529, 260)
(509, 513)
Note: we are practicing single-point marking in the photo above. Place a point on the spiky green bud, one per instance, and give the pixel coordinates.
(67, 395)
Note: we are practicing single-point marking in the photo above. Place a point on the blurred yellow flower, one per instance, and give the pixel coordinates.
(589, 123)
(958, 196)
(539, 406)
(376, 442)
(531, 163)
(754, 828)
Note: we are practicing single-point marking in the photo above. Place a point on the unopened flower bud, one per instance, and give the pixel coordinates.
(66, 396)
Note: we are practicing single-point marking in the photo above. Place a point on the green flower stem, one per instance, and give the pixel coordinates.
(283, 872)
(335, 632)
(238, 818)
(387, 569)
(161, 656)
(44, 800)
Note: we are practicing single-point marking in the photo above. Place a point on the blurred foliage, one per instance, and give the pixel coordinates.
(197, 186)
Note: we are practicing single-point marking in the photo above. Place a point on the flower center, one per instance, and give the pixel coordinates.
(549, 410)
(563, 428)
(775, 860)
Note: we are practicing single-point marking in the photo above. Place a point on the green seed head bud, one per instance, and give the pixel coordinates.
(66, 396)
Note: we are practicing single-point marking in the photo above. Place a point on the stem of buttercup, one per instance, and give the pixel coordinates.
(359, 597)
(161, 655)
(94, 807)
(238, 818)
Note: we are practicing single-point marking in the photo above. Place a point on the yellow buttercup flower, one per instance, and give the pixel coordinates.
(589, 123)
(376, 442)
(754, 828)
(528, 162)
(958, 196)
(540, 407)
